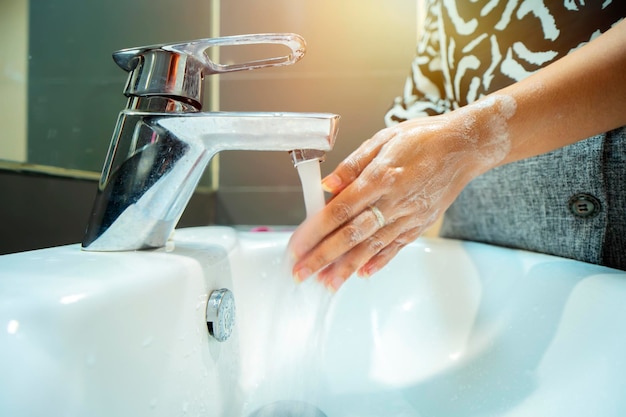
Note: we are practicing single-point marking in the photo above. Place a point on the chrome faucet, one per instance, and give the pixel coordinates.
(162, 142)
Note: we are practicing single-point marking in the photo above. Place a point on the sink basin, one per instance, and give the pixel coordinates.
(448, 328)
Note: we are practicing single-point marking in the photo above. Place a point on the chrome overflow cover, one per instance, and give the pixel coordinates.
(220, 314)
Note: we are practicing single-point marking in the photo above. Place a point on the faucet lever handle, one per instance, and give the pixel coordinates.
(128, 59)
(199, 49)
(177, 70)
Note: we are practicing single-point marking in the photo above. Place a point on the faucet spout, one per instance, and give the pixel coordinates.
(156, 160)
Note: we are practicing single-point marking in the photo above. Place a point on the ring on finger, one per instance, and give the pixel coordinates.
(379, 216)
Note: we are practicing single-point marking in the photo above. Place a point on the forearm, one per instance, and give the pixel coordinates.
(581, 95)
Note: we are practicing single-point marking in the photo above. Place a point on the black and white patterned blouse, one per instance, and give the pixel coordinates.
(570, 202)
(470, 48)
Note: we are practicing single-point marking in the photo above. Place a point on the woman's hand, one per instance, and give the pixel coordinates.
(394, 186)
(398, 182)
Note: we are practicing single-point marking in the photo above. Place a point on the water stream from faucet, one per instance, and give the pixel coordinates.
(284, 356)
(311, 179)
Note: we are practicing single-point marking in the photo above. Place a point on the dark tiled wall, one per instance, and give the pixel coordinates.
(74, 87)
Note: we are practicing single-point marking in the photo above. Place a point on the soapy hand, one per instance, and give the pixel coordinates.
(393, 187)
(398, 182)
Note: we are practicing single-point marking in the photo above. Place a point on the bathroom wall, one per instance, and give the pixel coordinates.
(75, 88)
(358, 57)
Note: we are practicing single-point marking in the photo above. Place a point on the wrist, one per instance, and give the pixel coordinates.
(487, 130)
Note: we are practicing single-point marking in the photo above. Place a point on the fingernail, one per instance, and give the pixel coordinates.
(366, 272)
(302, 274)
(292, 255)
(334, 283)
(331, 183)
(292, 251)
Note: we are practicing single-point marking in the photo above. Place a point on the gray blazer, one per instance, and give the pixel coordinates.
(569, 203)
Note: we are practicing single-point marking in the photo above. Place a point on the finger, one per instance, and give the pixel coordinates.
(351, 167)
(335, 274)
(383, 257)
(350, 235)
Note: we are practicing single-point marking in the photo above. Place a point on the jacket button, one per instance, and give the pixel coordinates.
(584, 205)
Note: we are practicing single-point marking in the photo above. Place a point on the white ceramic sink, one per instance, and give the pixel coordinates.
(114, 334)
(447, 329)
